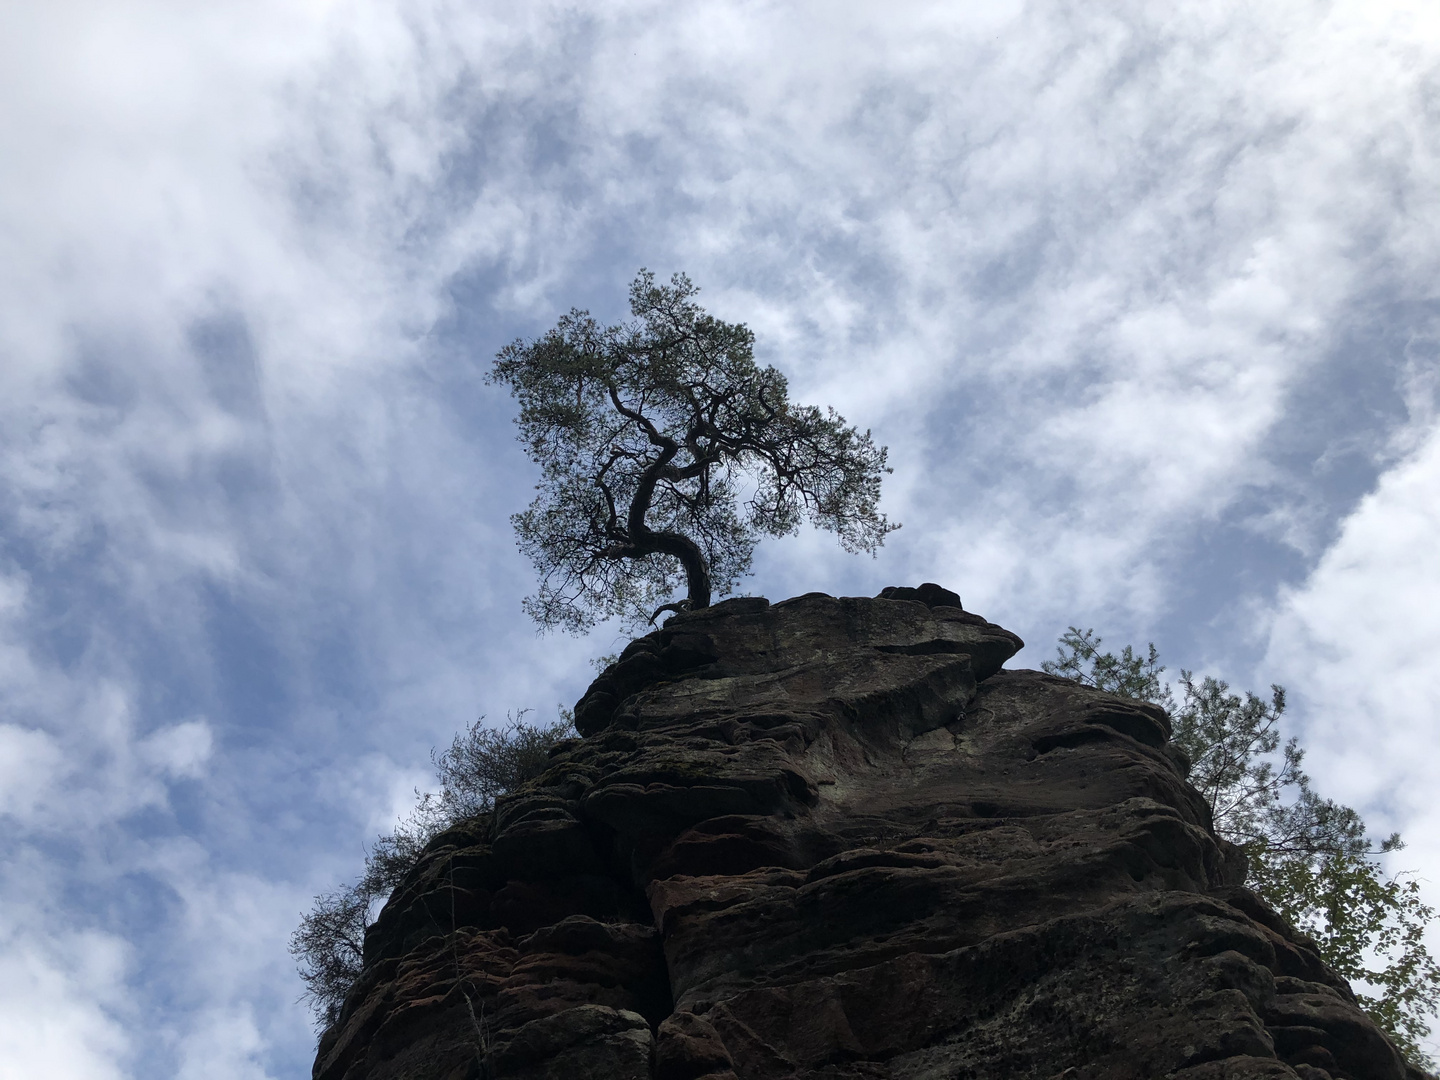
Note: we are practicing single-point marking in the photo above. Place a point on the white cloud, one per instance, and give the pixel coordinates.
(1358, 641)
(61, 1001)
(223, 1044)
(180, 750)
(29, 764)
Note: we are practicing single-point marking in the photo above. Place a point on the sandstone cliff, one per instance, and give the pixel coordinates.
(833, 838)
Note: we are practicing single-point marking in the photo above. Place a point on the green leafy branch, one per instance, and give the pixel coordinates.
(1310, 858)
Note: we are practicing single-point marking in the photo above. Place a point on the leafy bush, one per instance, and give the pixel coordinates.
(479, 766)
(1310, 858)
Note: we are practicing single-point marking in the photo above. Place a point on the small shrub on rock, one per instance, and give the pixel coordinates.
(481, 764)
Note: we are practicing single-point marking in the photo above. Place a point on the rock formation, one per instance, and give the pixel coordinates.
(834, 838)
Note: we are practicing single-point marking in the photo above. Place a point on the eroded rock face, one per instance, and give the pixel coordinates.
(833, 838)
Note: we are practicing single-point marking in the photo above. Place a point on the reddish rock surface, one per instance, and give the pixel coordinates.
(833, 838)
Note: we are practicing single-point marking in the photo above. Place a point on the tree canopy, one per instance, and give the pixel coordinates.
(1310, 858)
(666, 453)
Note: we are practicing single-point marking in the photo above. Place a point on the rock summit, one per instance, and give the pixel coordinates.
(834, 837)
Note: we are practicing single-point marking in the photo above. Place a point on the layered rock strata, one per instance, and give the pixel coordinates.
(834, 838)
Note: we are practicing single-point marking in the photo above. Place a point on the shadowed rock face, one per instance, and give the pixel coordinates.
(832, 838)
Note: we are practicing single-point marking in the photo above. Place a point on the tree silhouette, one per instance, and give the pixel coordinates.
(665, 454)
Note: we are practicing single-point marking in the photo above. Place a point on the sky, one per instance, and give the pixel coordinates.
(1142, 300)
